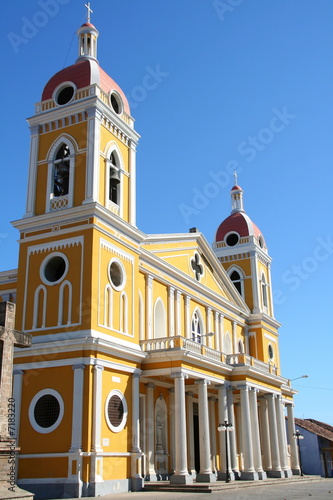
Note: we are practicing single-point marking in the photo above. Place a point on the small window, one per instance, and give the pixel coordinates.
(116, 102)
(46, 411)
(196, 328)
(117, 274)
(264, 291)
(61, 171)
(232, 239)
(116, 411)
(54, 268)
(197, 267)
(270, 352)
(64, 94)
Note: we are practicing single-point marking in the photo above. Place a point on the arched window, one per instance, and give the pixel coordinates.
(227, 344)
(61, 171)
(114, 178)
(159, 320)
(264, 290)
(240, 346)
(196, 327)
(60, 175)
(237, 279)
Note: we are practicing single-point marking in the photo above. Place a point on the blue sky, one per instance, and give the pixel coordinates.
(233, 84)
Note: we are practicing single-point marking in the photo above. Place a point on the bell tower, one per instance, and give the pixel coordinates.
(241, 248)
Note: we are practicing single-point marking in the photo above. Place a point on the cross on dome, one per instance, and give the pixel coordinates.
(235, 177)
(89, 11)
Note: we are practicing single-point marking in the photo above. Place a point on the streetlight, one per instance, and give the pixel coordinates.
(297, 435)
(226, 427)
(302, 376)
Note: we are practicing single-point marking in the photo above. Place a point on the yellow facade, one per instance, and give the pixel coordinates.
(127, 326)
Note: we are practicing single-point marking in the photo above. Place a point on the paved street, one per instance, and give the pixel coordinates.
(321, 489)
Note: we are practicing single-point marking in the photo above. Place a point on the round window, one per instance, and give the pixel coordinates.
(116, 411)
(232, 239)
(261, 241)
(64, 94)
(54, 269)
(117, 274)
(46, 411)
(270, 352)
(116, 103)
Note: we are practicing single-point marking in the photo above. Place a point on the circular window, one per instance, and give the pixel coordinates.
(46, 411)
(117, 274)
(116, 411)
(232, 239)
(116, 102)
(270, 352)
(64, 93)
(54, 268)
(261, 241)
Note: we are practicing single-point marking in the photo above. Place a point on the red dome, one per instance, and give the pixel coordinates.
(83, 74)
(240, 223)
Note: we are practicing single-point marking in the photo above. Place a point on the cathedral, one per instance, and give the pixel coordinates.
(154, 357)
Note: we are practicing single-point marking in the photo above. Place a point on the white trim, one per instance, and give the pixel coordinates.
(34, 424)
(123, 312)
(32, 177)
(111, 147)
(242, 276)
(93, 154)
(121, 286)
(226, 237)
(163, 313)
(121, 426)
(61, 303)
(36, 307)
(59, 88)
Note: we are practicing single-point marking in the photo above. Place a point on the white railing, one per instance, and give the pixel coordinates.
(181, 343)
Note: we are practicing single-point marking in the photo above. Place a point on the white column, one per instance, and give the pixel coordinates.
(247, 345)
(151, 473)
(190, 434)
(294, 461)
(232, 435)
(273, 434)
(171, 310)
(136, 453)
(181, 475)
(172, 416)
(217, 330)
(149, 306)
(223, 415)
(255, 433)
(32, 177)
(212, 432)
(247, 445)
(205, 474)
(264, 425)
(281, 427)
(78, 383)
(178, 326)
(17, 395)
(132, 183)
(270, 297)
(93, 155)
(187, 317)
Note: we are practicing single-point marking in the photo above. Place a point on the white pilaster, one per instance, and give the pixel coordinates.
(208, 326)
(96, 448)
(255, 283)
(132, 183)
(172, 416)
(217, 330)
(181, 475)
(247, 444)
(32, 177)
(273, 434)
(171, 310)
(93, 155)
(234, 337)
(187, 317)
(255, 433)
(294, 462)
(17, 395)
(151, 473)
(190, 434)
(78, 382)
(178, 325)
(149, 306)
(205, 474)
(136, 453)
(221, 331)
